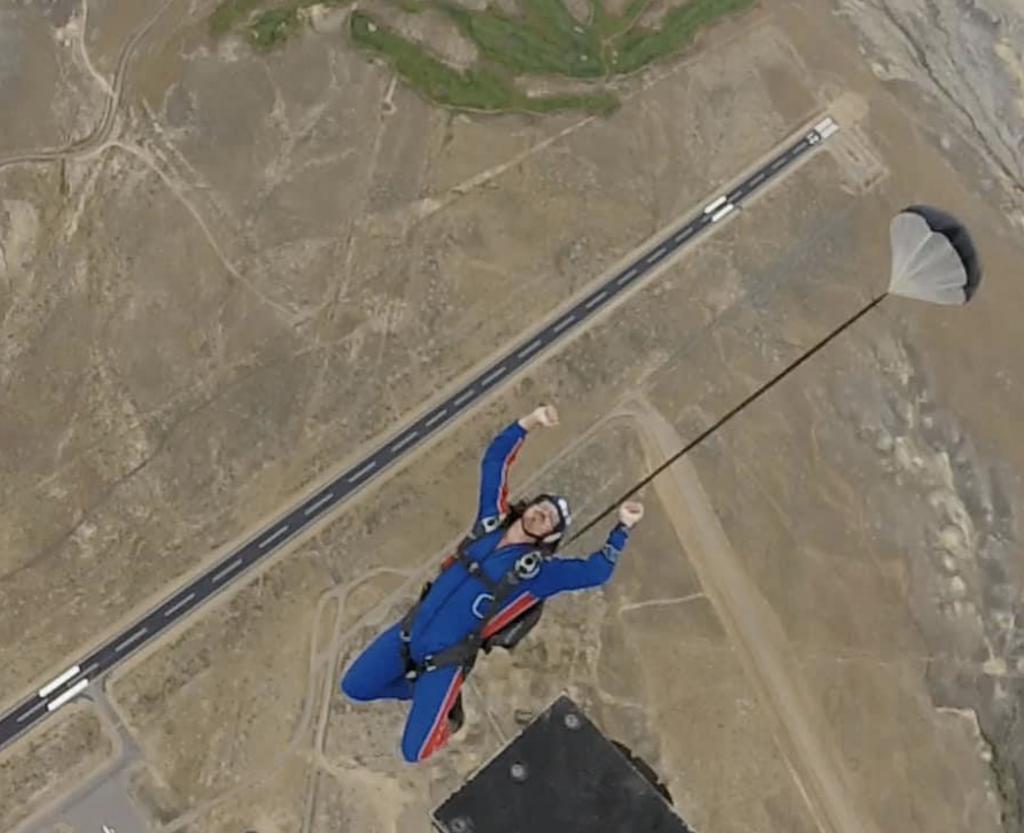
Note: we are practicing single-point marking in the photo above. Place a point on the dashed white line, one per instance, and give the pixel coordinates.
(26, 715)
(402, 442)
(565, 322)
(58, 681)
(494, 374)
(281, 530)
(178, 605)
(757, 180)
(67, 695)
(230, 568)
(778, 163)
(718, 215)
(365, 470)
(712, 206)
(684, 234)
(626, 276)
(532, 347)
(135, 637)
(316, 506)
(436, 418)
(462, 397)
(657, 254)
(88, 671)
(597, 299)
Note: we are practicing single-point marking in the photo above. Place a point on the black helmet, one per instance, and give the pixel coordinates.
(564, 517)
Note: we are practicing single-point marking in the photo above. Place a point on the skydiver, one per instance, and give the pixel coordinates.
(489, 593)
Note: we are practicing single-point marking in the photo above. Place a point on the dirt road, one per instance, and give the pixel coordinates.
(756, 633)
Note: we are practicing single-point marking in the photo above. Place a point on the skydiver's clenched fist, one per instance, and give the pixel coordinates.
(631, 512)
(545, 416)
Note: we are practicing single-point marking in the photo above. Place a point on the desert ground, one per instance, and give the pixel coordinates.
(227, 272)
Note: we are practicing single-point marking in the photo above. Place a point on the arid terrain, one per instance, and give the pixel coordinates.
(228, 271)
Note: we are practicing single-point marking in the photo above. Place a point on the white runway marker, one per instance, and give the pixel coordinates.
(234, 565)
(718, 215)
(713, 206)
(626, 276)
(277, 533)
(178, 605)
(58, 681)
(532, 347)
(565, 322)
(325, 499)
(494, 374)
(657, 254)
(404, 441)
(75, 690)
(135, 637)
(436, 418)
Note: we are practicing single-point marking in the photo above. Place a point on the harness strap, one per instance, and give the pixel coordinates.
(463, 653)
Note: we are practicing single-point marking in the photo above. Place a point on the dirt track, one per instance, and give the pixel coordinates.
(755, 632)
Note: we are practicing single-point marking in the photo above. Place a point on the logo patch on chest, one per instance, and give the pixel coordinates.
(527, 566)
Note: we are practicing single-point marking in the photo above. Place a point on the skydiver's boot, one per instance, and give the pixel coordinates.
(457, 716)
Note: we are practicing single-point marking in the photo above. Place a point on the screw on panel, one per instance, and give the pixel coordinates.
(460, 825)
(572, 721)
(518, 772)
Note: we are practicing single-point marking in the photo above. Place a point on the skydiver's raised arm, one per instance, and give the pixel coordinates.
(561, 574)
(499, 457)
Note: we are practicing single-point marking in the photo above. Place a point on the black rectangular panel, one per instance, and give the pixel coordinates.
(560, 775)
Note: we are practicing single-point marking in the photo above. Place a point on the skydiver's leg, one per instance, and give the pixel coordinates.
(427, 729)
(378, 672)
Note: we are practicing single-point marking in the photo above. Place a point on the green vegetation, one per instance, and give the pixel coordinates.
(270, 27)
(599, 102)
(228, 13)
(544, 40)
(480, 90)
(607, 26)
(639, 47)
(475, 89)
(274, 26)
(548, 41)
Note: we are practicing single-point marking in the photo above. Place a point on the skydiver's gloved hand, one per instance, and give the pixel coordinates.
(545, 416)
(630, 513)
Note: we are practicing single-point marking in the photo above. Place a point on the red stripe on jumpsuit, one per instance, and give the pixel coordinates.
(503, 484)
(521, 604)
(440, 730)
(502, 493)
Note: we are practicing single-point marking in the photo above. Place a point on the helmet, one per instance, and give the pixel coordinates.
(564, 517)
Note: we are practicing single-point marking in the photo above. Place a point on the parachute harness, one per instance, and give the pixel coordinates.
(464, 653)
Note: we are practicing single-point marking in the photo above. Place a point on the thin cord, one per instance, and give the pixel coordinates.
(707, 432)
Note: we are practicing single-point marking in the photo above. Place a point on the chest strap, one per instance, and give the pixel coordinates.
(464, 652)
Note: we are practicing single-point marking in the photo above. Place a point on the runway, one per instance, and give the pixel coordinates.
(75, 679)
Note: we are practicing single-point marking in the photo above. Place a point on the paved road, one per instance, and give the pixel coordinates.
(105, 807)
(71, 682)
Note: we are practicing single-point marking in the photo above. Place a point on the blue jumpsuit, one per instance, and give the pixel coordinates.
(455, 604)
